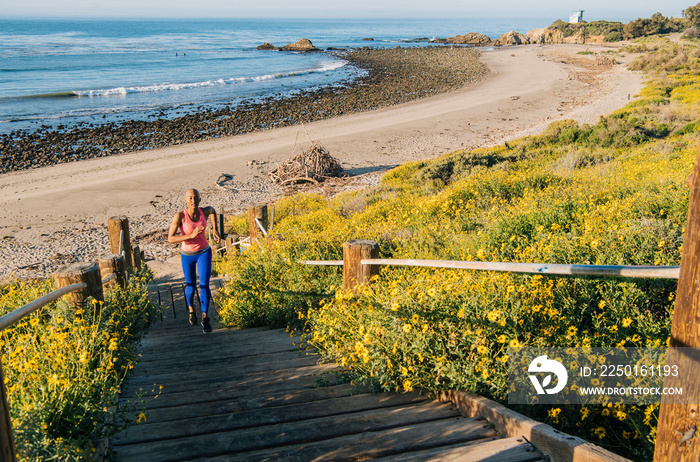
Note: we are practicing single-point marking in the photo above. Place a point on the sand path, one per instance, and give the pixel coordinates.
(57, 214)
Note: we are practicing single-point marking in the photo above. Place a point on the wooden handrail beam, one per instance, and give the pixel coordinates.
(29, 308)
(661, 272)
(109, 278)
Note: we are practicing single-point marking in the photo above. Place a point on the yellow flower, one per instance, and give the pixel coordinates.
(395, 306)
(502, 338)
(415, 318)
(407, 385)
(599, 432)
(554, 414)
(406, 328)
(602, 304)
(482, 349)
(584, 413)
(141, 418)
(493, 315)
(626, 322)
(431, 292)
(514, 343)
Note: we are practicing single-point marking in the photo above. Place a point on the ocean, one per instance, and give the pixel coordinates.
(61, 72)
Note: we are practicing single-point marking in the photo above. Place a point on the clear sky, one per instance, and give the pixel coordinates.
(624, 10)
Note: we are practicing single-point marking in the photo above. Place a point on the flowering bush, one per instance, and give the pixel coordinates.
(63, 367)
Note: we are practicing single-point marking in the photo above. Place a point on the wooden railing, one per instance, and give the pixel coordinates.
(360, 262)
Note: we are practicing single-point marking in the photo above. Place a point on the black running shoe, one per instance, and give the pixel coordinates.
(206, 327)
(193, 319)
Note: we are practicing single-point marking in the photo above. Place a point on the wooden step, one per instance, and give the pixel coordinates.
(514, 449)
(343, 437)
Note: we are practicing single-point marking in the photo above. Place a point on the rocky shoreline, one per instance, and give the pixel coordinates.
(393, 76)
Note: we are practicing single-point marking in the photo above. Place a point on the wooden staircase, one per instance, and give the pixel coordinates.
(254, 395)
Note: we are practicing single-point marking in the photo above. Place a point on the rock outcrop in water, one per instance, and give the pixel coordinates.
(304, 45)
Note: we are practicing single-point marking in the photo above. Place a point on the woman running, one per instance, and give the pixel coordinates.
(195, 252)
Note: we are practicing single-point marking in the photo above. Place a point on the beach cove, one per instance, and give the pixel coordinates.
(57, 214)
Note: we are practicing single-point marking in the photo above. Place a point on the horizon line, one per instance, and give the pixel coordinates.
(307, 18)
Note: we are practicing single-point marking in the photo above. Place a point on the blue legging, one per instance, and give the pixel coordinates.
(191, 266)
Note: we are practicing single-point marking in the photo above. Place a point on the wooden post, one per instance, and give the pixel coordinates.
(679, 424)
(231, 247)
(113, 264)
(7, 440)
(115, 226)
(135, 257)
(222, 234)
(355, 273)
(259, 212)
(88, 273)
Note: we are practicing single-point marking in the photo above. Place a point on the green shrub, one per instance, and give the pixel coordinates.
(64, 367)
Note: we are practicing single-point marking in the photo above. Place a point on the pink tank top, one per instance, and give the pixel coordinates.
(199, 243)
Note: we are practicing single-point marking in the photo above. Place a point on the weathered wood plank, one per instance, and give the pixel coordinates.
(212, 373)
(348, 406)
(552, 443)
(369, 445)
(131, 389)
(515, 449)
(163, 337)
(220, 343)
(225, 361)
(232, 398)
(319, 430)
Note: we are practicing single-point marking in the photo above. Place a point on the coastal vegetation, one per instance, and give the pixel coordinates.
(64, 368)
(611, 193)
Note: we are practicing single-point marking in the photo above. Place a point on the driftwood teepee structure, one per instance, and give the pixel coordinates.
(313, 165)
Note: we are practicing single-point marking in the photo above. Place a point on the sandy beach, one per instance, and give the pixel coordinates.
(54, 215)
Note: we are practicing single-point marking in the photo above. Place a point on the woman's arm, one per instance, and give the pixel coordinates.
(175, 224)
(210, 213)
